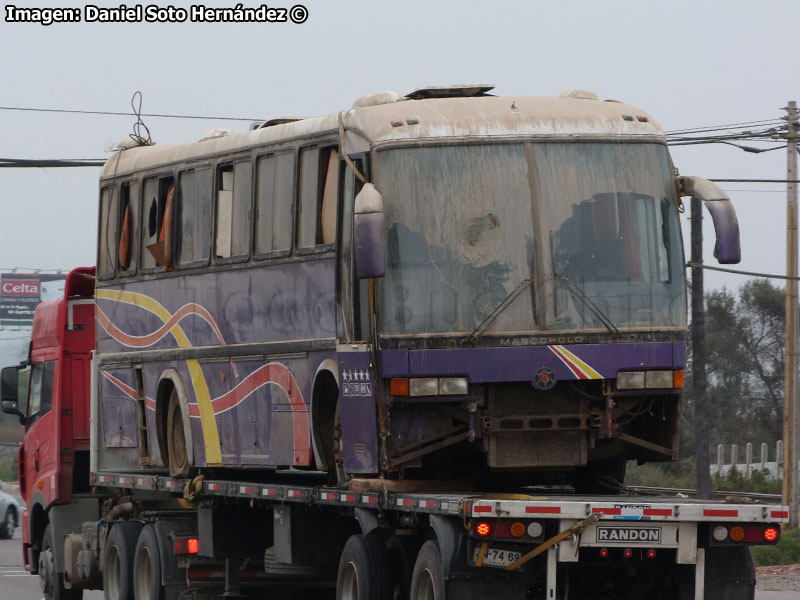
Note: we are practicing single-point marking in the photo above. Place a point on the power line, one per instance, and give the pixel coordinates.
(28, 163)
(739, 125)
(124, 114)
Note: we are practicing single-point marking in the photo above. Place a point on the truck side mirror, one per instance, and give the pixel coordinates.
(728, 248)
(368, 233)
(9, 382)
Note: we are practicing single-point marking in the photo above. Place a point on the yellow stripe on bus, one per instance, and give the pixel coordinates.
(203, 396)
(590, 372)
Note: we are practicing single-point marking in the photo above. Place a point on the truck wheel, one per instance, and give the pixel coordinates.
(147, 566)
(8, 525)
(52, 583)
(427, 581)
(363, 570)
(176, 439)
(118, 560)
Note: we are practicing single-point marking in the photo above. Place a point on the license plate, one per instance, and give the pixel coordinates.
(494, 557)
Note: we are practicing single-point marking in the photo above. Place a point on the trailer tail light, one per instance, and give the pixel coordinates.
(747, 534)
(628, 553)
(483, 529)
(737, 533)
(517, 529)
(771, 534)
(187, 546)
(720, 533)
(535, 529)
(651, 554)
(604, 553)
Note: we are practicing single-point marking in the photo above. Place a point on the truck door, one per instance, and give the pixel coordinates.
(41, 437)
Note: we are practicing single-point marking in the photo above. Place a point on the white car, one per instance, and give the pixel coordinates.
(10, 513)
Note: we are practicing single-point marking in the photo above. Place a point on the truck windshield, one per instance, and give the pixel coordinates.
(462, 221)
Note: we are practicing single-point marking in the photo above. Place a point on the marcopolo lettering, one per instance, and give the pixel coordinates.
(629, 534)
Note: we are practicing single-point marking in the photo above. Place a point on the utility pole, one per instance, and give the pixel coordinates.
(699, 383)
(791, 422)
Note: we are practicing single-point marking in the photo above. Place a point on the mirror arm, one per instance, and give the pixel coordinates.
(726, 226)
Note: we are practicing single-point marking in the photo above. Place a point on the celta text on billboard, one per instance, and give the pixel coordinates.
(21, 293)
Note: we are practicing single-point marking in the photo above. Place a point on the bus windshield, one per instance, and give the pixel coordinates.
(462, 221)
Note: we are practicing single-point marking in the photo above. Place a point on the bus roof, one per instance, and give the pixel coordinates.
(479, 117)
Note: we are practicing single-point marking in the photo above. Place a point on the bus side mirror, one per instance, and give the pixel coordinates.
(368, 233)
(728, 248)
(8, 392)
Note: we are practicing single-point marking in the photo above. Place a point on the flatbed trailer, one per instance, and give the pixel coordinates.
(562, 539)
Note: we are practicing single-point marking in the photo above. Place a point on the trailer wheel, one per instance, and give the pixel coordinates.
(118, 560)
(427, 581)
(363, 570)
(147, 566)
(176, 438)
(52, 583)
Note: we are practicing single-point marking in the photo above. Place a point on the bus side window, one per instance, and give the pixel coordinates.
(194, 217)
(109, 220)
(275, 189)
(319, 183)
(157, 208)
(126, 245)
(234, 189)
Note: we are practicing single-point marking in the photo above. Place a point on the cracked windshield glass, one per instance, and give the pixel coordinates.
(462, 221)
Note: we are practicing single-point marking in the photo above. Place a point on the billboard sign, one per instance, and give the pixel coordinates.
(21, 293)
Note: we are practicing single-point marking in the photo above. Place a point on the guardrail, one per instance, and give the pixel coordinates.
(718, 495)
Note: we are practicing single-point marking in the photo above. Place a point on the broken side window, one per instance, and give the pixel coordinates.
(319, 183)
(234, 191)
(158, 207)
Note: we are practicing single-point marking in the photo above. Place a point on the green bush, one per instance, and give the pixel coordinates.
(785, 552)
(735, 481)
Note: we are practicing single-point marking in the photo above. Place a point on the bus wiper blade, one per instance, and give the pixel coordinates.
(578, 293)
(473, 337)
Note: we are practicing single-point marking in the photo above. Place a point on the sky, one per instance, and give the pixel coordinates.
(688, 63)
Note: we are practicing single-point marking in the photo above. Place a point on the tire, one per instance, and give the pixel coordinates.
(8, 525)
(427, 581)
(52, 583)
(177, 453)
(118, 556)
(363, 570)
(147, 566)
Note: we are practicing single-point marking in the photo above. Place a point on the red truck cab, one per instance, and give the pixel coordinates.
(54, 456)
